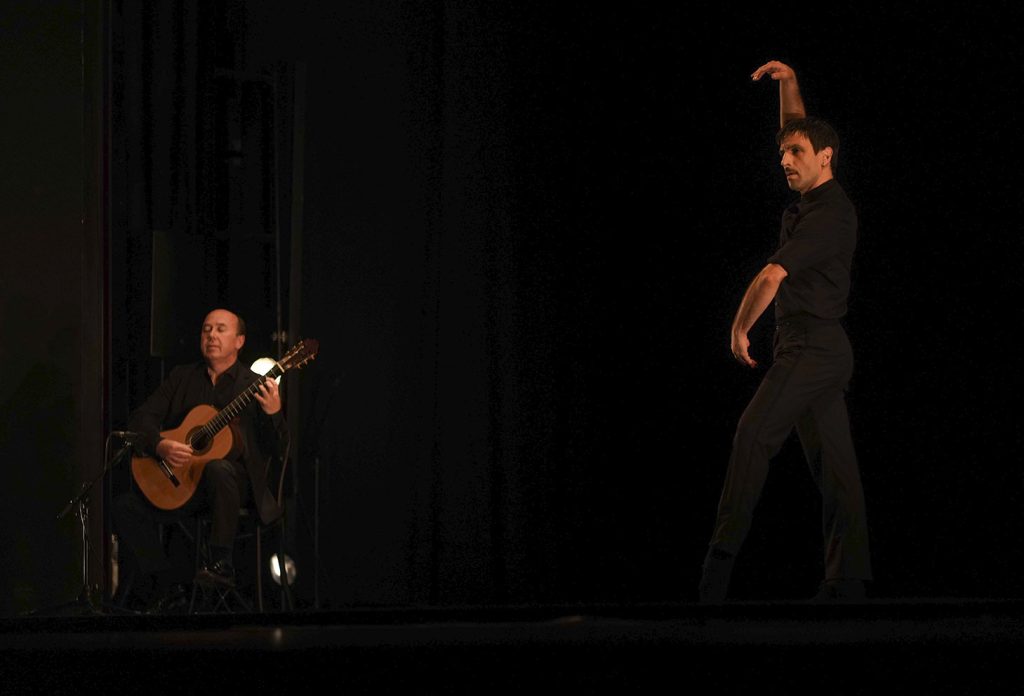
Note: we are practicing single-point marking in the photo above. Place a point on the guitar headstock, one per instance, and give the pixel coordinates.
(300, 354)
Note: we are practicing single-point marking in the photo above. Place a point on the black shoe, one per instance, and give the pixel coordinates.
(714, 580)
(217, 574)
(841, 590)
(174, 601)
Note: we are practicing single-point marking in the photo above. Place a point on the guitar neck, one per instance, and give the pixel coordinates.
(238, 404)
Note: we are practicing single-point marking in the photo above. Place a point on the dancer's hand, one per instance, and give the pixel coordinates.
(741, 349)
(775, 70)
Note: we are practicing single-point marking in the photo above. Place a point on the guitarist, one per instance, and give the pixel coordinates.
(226, 484)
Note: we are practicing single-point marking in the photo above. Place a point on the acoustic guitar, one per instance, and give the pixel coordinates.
(211, 434)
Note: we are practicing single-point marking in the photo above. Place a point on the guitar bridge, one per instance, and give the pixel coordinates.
(168, 473)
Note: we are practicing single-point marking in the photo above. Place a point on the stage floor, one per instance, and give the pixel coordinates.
(938, 645)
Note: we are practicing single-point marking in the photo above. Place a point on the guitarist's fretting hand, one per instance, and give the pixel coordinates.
(269, 397)
(175, 453)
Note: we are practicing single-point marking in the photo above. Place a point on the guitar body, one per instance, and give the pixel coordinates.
(151, 478)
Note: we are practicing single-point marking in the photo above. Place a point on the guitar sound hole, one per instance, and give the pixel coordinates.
(200, 442)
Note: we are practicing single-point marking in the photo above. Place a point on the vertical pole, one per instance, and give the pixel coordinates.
(95, 326)
(295, 270)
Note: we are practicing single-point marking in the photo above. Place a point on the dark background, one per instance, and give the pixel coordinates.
(519, 234)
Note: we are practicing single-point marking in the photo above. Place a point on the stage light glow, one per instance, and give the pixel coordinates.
(289, 568)
(262, 366)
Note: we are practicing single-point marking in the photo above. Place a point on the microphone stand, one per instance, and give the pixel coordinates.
(79, 504)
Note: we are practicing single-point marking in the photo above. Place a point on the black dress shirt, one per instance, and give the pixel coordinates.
(816, 245)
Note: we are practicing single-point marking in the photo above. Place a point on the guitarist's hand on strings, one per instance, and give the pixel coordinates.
(175, 453)
(269, 396)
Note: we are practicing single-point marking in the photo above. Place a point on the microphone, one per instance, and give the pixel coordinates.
(126, 435)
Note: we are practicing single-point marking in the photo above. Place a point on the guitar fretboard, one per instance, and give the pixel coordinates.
(231, 411)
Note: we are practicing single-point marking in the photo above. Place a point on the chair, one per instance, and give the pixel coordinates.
(211, 599)
(251, 527)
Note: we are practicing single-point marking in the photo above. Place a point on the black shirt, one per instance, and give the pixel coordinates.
(816, 245)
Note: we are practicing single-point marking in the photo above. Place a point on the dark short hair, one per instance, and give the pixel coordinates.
(817, 130)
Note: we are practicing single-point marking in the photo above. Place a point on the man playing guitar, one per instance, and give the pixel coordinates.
(221, 485)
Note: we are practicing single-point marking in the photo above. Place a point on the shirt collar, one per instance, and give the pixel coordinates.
(818, 191)
(231, 372)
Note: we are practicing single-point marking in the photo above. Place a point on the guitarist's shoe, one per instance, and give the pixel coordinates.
(217, 574)
(714, 581)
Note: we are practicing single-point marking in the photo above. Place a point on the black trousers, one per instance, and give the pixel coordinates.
(803, 389)
(222, 491)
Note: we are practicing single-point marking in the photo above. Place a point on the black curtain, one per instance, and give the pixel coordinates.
(52, 414)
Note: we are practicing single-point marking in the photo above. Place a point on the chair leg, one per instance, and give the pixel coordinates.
(195, 571)
(226, 599)
(286, 588)
(214, 600)
(259, 567)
